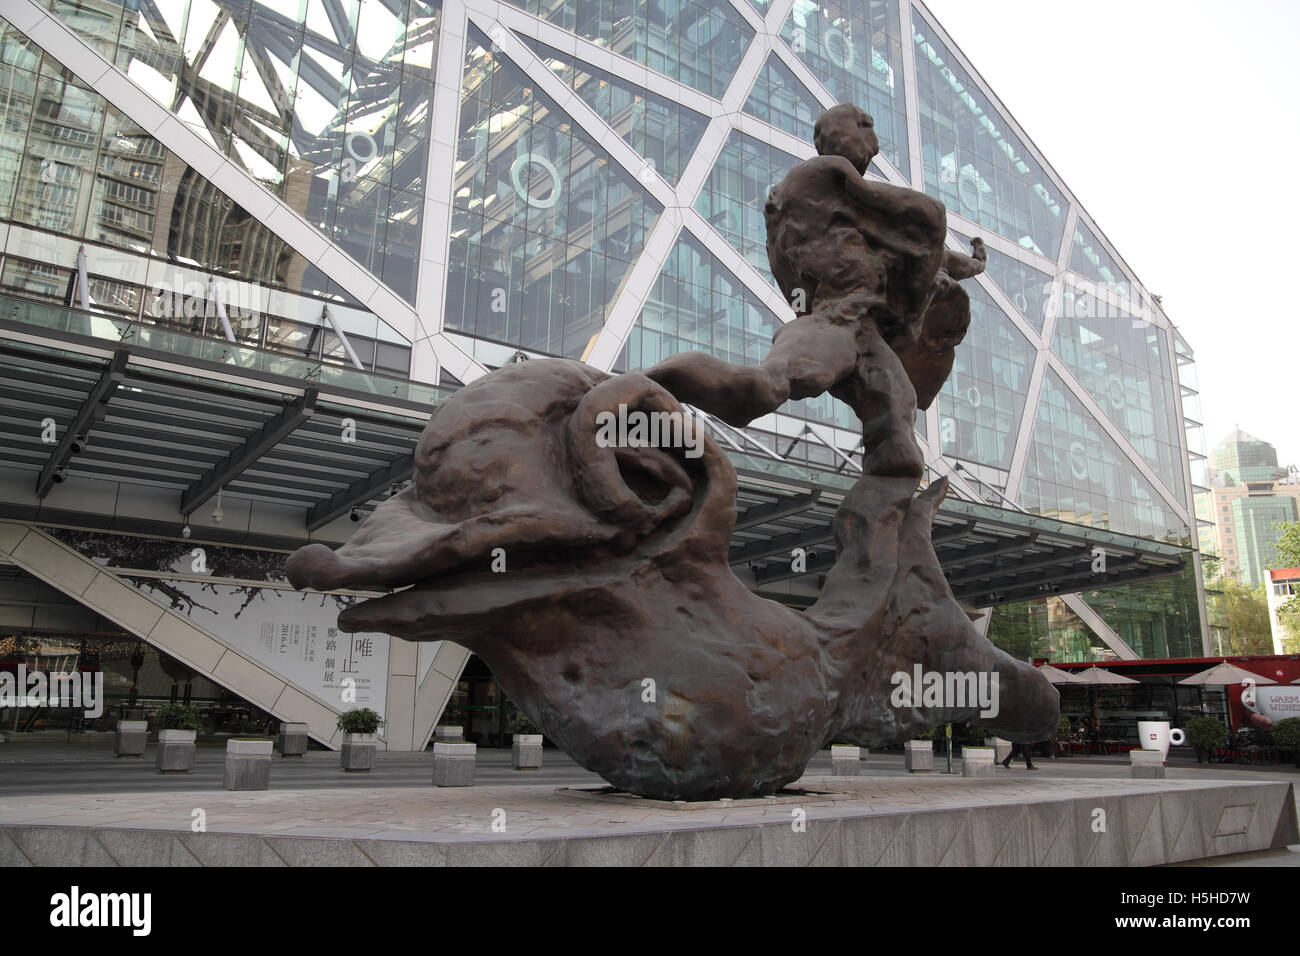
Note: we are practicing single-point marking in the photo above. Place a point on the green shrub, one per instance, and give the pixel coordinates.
(1064, 729)
(361, 720)
(1206, 733)
(1286, 735)
(178, 717)
(520, 724)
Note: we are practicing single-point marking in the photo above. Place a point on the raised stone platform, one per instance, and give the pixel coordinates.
(835, 821)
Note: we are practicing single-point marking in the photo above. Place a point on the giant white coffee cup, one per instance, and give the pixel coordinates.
(1157, 735)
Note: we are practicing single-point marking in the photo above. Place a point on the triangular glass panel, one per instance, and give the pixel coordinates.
(855, 48)
(699, 45)
(1089, 258)
(1158, 619)
(779, 99)
(544, 224)
(1029, 289)
(973, 160)
(661, 130)
(698, 305)
(325, 104)
(1075, 472)
(1124, 364)
(983, 400)
(733, 196)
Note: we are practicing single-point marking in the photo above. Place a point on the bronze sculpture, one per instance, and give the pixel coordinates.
(617, 625)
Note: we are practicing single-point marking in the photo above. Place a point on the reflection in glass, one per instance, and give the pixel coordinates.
(1076, 472)
(324, 102)
(660, 129)
(697, 44)
(854, 48)
(778, 98)
(545, 225)
(733, 196)
(983, 400)
(1124, 365)
(973, 161)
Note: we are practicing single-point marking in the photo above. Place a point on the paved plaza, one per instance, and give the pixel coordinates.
(76, 802)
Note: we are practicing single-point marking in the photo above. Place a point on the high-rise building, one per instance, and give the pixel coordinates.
(247, 243)
(1248, 497)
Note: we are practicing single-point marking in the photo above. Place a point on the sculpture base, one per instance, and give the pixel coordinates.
(857, 821)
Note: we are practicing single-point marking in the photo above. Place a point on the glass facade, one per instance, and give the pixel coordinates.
(329, 106)
(732, 199)
(75, 167)
(697, 305)
(1156, 618)
(1076, 472)
(545, 224)
(1089, 258)
(324, 102)
(697, 44)
(1045, 629)
(984, 398)
(855, 50)
(661, 130)
(972, 159)
(1124, 365)
(780, 100)
(1029, 289)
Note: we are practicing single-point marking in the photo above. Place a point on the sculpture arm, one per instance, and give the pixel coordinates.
(960, 266)
(924, 217)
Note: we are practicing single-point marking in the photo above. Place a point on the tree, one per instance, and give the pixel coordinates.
(1288, 556)
(1288, 545)
(1249, 629)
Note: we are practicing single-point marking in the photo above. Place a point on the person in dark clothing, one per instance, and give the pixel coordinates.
(1022, 750)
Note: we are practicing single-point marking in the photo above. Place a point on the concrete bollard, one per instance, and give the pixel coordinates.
(175, 751)
(293, 740)
(918, 755)
(1146, 764)
(453, 764)
(846, 760)
(358, 753)
(977, 761)
(130, 739)
(1001, 748)
(449, 733)
(526, 752)
(248, 764)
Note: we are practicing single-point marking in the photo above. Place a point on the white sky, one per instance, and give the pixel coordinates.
(1176, 124)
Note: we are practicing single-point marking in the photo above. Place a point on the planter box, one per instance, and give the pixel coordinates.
(526, 752)
(293, 740)
(175, 751)
(449, 733)
(1146, 764)
(977, 761)
(453, 765)
(358, 753)
(248, 764)
(846, 760)
(1001, 748)
(918, 755)
(131, 736)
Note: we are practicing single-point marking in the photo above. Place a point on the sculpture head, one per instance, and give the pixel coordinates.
(516, 489)
(849, 131)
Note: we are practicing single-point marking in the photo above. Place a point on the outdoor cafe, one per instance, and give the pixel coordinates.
(1106, 701)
